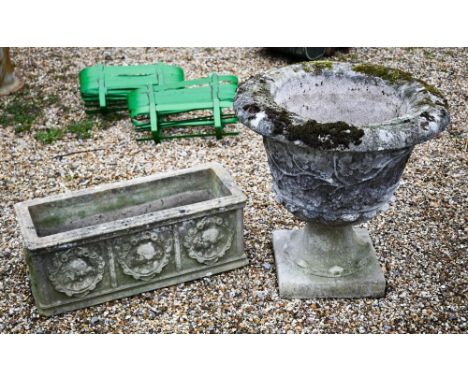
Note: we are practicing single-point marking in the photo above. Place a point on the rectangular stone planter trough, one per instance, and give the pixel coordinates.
(116, 240)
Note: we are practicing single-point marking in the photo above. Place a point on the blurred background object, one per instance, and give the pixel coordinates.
(9, 83)
(308, 53)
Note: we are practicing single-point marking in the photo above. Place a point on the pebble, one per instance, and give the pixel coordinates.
(266, 266)
(94, 320)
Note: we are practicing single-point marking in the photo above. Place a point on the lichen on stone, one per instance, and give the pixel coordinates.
(330, 135)
(433, 90)
(427, 116)
(252, 110)
(317, 67)
(394, 76)
(391, 75)
(280, 119)
(429, 102)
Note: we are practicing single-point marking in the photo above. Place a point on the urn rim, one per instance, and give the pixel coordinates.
(426, 112)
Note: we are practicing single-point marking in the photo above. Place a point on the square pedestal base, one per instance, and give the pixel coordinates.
(294, 282)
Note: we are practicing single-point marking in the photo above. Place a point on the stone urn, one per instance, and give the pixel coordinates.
(337, 136)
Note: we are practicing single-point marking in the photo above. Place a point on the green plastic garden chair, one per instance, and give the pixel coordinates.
(156, 108)
(107, 87)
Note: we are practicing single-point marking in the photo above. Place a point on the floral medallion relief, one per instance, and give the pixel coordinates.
(76, 271)
(144, 255)
(207, 240)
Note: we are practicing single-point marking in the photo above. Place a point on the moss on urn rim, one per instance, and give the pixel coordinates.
(395, 76)
(329, 135)
(326, 135)
(256, 106)
(317, 67)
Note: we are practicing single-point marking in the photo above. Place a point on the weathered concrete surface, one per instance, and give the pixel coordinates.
(333, 187)
(320, 261)
(338, 139)
(302, 104)
(120, 239)
(337, 136)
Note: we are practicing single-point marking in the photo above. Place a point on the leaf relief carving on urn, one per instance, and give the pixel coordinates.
(337, 185)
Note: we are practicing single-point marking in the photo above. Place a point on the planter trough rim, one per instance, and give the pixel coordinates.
(32, 241)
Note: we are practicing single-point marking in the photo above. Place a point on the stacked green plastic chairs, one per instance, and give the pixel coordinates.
(159, 98)
(107, 87)
(160, 107)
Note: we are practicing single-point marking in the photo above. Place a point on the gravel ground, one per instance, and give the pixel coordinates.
(421, 241)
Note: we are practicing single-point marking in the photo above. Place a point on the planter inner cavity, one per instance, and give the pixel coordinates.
(125, 202)
(111, 241)
(337, 137)
(352, 100)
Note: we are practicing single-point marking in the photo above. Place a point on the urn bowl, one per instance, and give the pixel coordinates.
(338, 135)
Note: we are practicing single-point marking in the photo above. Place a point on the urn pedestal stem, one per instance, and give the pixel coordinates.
(328, 251)
(327, 261)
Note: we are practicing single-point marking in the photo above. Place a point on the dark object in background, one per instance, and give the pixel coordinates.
(308, 53)
(9, 83)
